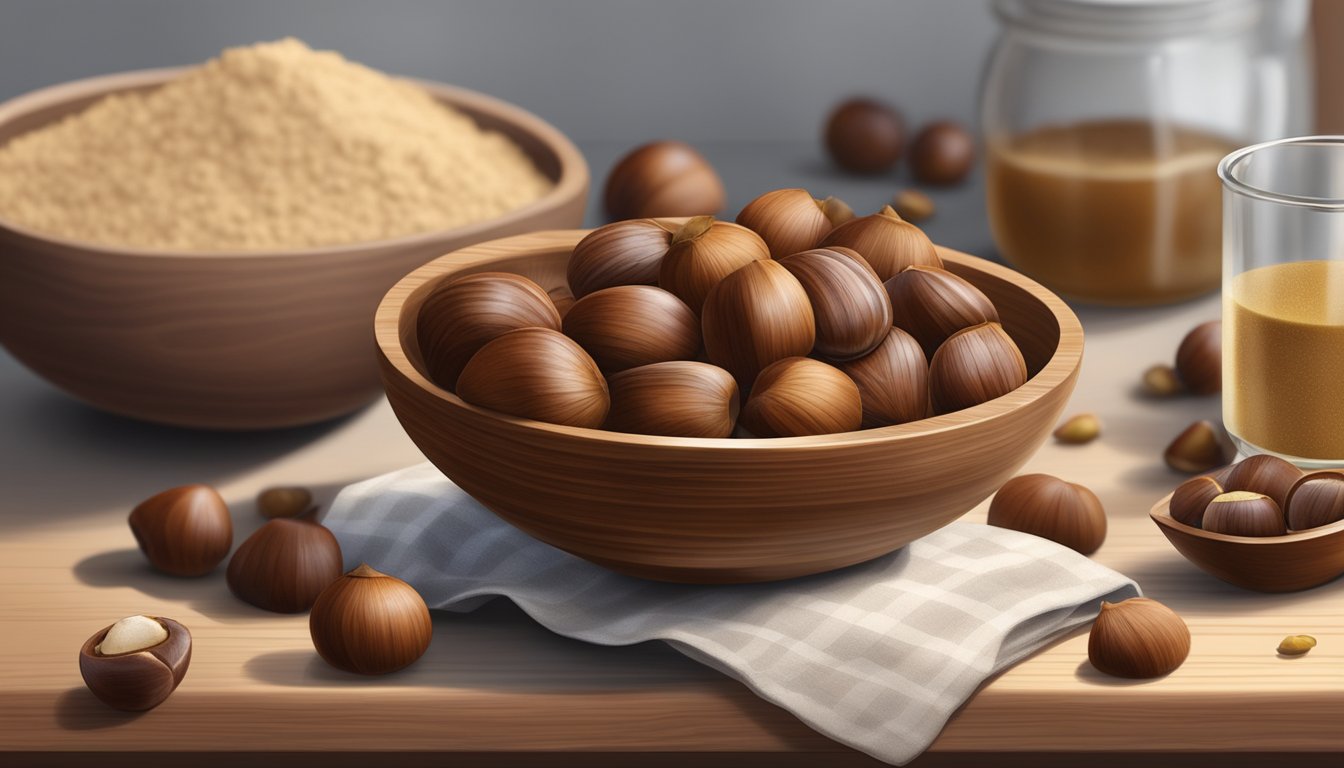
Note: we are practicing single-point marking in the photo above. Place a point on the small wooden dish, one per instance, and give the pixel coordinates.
(1289, 563)
(725, 510)
(232, 340)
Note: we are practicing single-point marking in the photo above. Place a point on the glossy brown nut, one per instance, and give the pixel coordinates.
(799, 396)
(975, 365)
(1045, 506)
(465, 314)
(627, 326)
(1244, 513)
(886, 241)
(893, 381)
(683, 398)
(1138, 638)
(183, 531)
(285, 565)
(537, 373)
(942, 153)
(1192, 497)
(849, 304)
(370, 623)
(621, 253)
(754, 317)
(1199, 359)
(703, 252)
(141, 679)
(864, 136)
(662, 179)
(932, 304)
(1265, 474)
(1316, 499)
(791, 220)
(1201, 447)
(285, 501)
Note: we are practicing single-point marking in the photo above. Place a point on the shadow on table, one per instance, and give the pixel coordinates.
(79, 710)
(1167, 576)
(498, 647)
(209, 594)
(69, 458)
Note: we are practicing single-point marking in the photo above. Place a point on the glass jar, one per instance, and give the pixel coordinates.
(1104, 121)
(1283, 299)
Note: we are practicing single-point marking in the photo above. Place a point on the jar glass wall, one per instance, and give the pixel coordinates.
(1104, 123)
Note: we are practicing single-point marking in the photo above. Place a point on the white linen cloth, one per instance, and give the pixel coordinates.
(876, 656)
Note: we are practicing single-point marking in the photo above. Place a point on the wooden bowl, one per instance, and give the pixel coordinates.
(237, 340)
(1288, 563)
(727, 510)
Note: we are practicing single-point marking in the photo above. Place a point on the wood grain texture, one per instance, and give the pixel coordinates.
(1295, 561)
(496, 689)
(231, 340)
(692, 510)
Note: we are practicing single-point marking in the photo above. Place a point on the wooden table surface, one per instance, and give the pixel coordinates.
(495, 688)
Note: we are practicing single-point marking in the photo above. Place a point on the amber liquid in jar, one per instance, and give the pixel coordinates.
(1113, 212)
(1283, 352)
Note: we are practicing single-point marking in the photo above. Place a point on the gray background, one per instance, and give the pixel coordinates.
(601, 70)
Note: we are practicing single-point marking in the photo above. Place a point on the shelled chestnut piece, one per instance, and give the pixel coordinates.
(136, 663)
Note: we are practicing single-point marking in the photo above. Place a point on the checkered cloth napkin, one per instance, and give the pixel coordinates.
(876, 656)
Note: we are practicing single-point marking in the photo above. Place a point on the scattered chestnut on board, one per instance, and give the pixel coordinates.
(932, 304)
(1202, 446)
(864, 136)
(663, 179)
(370, 623)
(621, 253)
(285, 565)
(537, 373)
(681, 398)
(755, 316)
(464, 314)
(791, 220)
(1045, 506)
(893, 381)
(800, 396)
(975, 365)
(1138, 638)
(285, 501)
(1199, 359)
(913, 206)
(849, 304)
(183, 531)
(136, 663)
(887, 242)
(627, 326)
(703, 252)
(1079, 429)
(942, 153)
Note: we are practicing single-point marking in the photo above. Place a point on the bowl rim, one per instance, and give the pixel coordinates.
(572, 179)
(1063, 363)
(1161, 515)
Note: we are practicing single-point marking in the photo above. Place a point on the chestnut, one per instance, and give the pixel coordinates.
(893, 381)
(849, 304)
(622, 253)
(703, 252)
(973, 366)
(370, 623)
(755, 316)
(864, 136)
(183, 531)
(663, 179)
(942, 153)
(886, 241)
(800, 396)
(791, 220)
(627, 326)
(680, 398)
(284, 565)
(537, 373)
(136, 663)
(932, 304)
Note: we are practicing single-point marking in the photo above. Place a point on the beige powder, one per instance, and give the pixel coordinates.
(269, 146)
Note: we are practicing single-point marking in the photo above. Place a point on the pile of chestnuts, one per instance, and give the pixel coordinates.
(798, 319)
(1260, 496)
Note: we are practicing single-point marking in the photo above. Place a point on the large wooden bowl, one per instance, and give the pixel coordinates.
(1288, 563)
(701, 510)
(231, 340)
